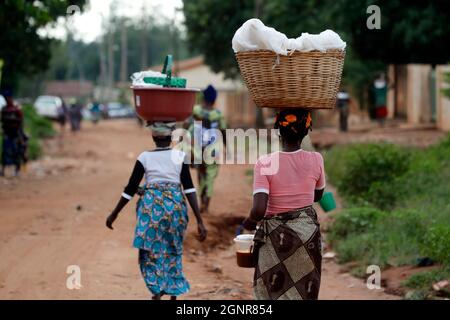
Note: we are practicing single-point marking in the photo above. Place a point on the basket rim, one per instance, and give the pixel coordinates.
(292, 52)
(157, 88)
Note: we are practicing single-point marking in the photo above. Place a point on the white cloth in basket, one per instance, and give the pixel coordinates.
(254, 35)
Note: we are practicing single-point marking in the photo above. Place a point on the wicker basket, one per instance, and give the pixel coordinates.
(299, 80)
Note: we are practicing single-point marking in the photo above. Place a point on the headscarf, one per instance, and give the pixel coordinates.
(210, 94)
(295, 120)
(162, 129)
(7, 93)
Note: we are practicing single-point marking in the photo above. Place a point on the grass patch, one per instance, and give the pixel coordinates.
(422, 282)
(387, 239)
(397, 205)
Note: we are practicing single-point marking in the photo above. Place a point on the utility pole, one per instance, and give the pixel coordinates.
(123, 52)
(144, 37)
(175, 44)
(103, 78)
(111, 43)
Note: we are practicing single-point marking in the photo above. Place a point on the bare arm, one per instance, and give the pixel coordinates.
(115, 213)
(130, 190)
(191, 195)
(193, 202)
(258, 210)
(318, 194)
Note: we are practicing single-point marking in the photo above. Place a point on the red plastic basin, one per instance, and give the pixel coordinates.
(164, 104)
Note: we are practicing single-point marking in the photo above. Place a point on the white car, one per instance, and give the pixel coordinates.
(2, 102)
(48, 106)
(118, 110)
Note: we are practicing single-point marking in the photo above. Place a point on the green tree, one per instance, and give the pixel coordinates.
(210, 27)
(22, 49)
(411, 31)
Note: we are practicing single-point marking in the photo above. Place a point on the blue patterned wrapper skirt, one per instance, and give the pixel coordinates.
(161, 223)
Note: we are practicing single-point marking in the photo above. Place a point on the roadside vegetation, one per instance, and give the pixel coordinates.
(397, 209)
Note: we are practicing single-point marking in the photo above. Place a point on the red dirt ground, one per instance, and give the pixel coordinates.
(53, 216)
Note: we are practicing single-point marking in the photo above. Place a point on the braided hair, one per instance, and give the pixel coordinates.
(293, 124)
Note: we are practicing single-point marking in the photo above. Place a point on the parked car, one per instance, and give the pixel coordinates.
(2, 101)
(130, 110)
(118, 110)
(47, 106)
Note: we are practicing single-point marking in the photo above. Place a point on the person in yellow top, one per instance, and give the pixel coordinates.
(204, 118)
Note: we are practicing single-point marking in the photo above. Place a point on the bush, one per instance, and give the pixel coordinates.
(422, 283)
(436, 244)
(37, 128)
(354, 221)
(414, 185)
(368, 172)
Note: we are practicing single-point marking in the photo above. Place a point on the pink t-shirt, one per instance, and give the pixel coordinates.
(289, 178)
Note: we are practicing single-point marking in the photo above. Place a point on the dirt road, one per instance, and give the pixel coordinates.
(53, 216)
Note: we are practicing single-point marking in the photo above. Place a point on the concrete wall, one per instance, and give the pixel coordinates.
(442, 102)
(391, 92)
(201, 76)
(409, 95)
(418, 93)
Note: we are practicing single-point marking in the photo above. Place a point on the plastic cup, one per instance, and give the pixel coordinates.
(244, 250)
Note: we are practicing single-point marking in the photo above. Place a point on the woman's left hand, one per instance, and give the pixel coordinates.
(202, 232)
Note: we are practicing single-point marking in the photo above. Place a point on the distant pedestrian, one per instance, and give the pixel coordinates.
(75, 115)
(14, 139)
(205, 122)
(96, 111)
(62, 115)
(380, 98)
(343, 100)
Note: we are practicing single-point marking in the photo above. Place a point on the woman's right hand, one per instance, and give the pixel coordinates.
(110, 220)
(249, 224)
(202, 232)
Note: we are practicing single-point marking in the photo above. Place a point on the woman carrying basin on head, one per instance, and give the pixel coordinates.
(161, 213)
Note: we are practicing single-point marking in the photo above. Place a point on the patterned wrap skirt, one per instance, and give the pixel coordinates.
(288, 253)
(161, 223)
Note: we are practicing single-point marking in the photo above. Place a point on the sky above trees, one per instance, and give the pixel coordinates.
(87, 26)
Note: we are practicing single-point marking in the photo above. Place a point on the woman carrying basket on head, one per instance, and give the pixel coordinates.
(288, 241)
(161, 213)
